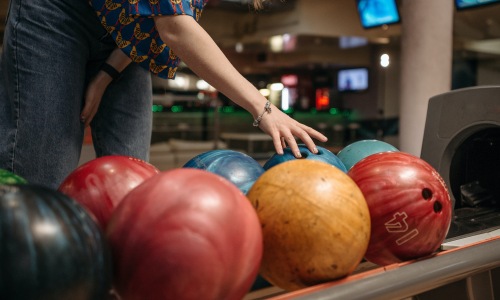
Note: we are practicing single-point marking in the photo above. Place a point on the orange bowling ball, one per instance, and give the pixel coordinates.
(315, 223)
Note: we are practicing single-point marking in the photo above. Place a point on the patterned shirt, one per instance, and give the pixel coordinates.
(130, 23)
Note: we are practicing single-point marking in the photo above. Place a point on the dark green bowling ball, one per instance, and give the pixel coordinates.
(7, 177)
(51, 248)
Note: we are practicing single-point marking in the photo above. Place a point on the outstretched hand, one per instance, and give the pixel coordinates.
(284, 130)
(209, 62)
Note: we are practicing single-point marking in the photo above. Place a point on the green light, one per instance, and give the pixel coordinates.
(289, 111)
(334, 111)
(157, 108)
(227, 109)
(176, 108)
(313, 110)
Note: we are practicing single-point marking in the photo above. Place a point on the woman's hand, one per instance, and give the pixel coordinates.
(115, 64)
(93, 95)
(284, 130)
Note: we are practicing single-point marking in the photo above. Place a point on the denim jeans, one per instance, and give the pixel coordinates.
(51, 49)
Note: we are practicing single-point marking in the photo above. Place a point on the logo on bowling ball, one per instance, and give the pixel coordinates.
(398, 224)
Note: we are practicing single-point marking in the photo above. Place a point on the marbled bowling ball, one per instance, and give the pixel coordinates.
(51, 248)
(315, 223)
(410, 207)
(237, 167)
(323, 155)
(100, 184)
(185, 234)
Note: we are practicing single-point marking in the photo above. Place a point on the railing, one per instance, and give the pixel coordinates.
(471, 263)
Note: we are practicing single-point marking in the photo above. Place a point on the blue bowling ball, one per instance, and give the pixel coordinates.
(239, 168)
(323, 155)
(51, 247)
(356, 151)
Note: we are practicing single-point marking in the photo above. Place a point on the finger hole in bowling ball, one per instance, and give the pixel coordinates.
(437, 206)
(426, 194)
(304, 154)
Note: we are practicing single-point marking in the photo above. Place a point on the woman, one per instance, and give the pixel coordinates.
(53, 49)
(178, 27)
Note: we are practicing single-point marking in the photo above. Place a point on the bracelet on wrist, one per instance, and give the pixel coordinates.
(267, 108)
(111, 71)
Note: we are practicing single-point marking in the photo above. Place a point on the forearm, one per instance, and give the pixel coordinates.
(197, 49)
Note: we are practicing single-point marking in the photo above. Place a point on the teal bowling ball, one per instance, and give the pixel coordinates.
(323, 155)
(237, 167)
(51, 247)
(353, 153)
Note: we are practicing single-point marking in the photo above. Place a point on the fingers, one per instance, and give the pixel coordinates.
(292, 144)
(285, 136)
(308, 141)
(314, 133)
(93, 97)
(89, 109)
(278, 144)
(302, 133)
(87, 115)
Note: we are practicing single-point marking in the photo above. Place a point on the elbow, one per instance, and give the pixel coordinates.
(173, 28)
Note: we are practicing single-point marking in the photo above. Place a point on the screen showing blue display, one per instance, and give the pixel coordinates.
(352, 80)
(463, 4)
(375, 13)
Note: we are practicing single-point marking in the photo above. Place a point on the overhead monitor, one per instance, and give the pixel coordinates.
(376, 13)
(465, 4)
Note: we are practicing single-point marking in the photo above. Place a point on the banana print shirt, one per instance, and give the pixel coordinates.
(131, 25)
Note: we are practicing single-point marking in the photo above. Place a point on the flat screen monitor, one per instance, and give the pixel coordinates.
(465, 4)
(376, 13)
(352, 80)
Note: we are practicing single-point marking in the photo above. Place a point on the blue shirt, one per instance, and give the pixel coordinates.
(131, 24)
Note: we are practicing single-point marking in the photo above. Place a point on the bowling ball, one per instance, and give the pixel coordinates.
(237, 167)
(100, 184)
(7, 177)
(185, 234)
(323, 155)
(409, 204)
(51, 247)
(315, 223)
(356, 151)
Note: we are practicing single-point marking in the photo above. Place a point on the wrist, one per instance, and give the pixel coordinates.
(111, 71)
(266, 110)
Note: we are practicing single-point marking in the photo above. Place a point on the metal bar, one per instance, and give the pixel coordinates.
(420, 276)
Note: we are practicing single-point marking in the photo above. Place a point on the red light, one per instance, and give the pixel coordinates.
(322, 98)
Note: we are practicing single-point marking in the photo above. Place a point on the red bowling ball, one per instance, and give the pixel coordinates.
(100, 184)
(410, 207)
(185, 234)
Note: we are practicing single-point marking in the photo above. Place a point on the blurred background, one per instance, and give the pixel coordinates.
(333, 65)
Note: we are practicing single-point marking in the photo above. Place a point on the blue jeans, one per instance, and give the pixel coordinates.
(51, 49)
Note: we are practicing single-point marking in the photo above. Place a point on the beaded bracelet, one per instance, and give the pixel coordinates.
(267, 108)
(111, 71)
